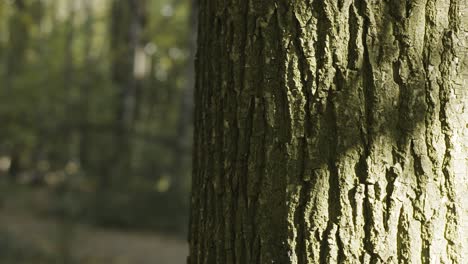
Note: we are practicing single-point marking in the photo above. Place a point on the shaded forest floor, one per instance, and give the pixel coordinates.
(29, 238)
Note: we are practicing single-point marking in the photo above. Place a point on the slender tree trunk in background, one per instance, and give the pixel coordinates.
(63, 193)
(70, 132)
(86, 86)
(181, 149)
(128, 23)
(330, 131)
(40, 152)
(20, 26)
(18, 41)
(19, 35)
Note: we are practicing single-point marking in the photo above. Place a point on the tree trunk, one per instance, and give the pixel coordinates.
(86, 86)
(185, 120)
(330, 131)
(128, 20)
(19, 36)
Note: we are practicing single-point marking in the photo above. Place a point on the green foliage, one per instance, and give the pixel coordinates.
(62, 72)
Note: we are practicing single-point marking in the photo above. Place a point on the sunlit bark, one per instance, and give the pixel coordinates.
(330, 132)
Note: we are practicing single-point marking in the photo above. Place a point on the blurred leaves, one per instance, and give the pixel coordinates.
(61, 91)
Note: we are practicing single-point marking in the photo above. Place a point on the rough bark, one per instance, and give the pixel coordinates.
(330, 131)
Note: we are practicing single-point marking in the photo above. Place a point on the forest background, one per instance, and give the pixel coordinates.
(96, 125)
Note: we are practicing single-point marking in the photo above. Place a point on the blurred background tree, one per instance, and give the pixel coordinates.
(95, 111)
